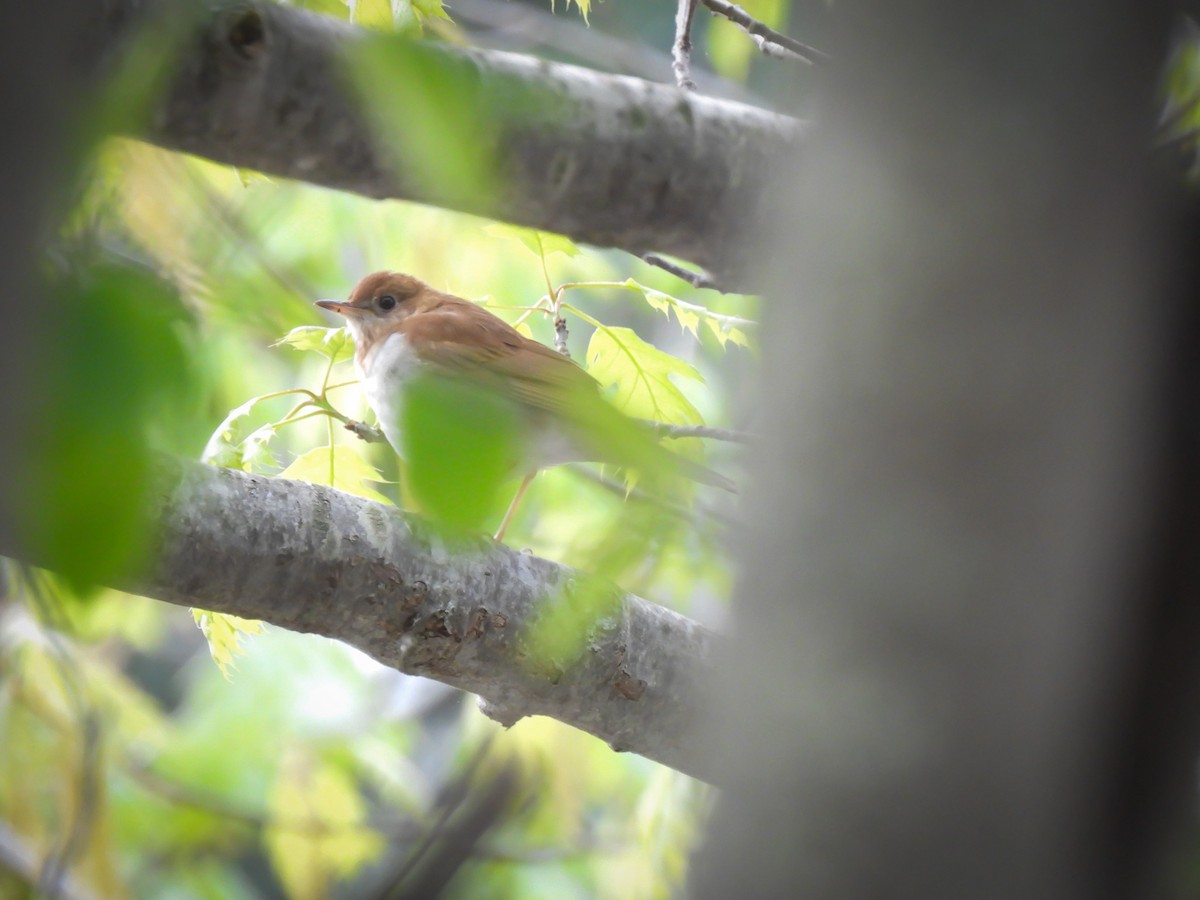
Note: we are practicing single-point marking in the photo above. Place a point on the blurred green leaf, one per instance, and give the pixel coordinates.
(224, 635)
(341, 467)
(336, 344)
(559, 634)
(425, 105)
(457, 464)
(117, 374)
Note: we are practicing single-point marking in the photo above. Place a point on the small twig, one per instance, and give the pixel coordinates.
(699, 279)
(775, 51)
(739, 16)
(365, 432)
(681, 50)
(662, 429)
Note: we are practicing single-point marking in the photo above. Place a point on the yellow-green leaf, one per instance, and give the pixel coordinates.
(375, 14)
(430, 9)
(336, 344)
(690, 315)
(340, 466)
(585, 6)
(639, 375)
(224, 633)
(318, 831)
(539, 243)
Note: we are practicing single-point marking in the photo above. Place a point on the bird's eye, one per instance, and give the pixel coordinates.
(387, 301)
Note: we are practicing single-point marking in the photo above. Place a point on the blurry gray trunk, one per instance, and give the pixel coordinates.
(967, 618)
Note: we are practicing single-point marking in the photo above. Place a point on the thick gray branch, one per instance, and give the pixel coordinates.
(609, 160)
(313, 559)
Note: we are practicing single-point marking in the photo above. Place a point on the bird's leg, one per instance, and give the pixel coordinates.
(512, 507)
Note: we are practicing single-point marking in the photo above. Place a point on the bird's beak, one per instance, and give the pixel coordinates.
(342, 309)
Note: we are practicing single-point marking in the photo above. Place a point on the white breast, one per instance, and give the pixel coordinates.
(383, 374)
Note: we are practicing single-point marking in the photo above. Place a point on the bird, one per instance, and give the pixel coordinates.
(405, 330)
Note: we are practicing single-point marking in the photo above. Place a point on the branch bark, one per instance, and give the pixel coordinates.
(316, 560)
(620, 162)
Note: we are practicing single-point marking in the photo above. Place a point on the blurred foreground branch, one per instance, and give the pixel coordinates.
(313, 559)
(608, 160)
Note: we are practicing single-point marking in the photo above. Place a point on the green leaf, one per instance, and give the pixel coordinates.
(457, 464)
(224, 633)
(689, 315)
(585, 6)
(254, 450)
(336, 344)
(409, 88)
(375, 14)
(341, 467)
(221, 449)
(726, 333)
(639, 376)
(539, 243)
(560, 631)
(430, 9)
(117, 375)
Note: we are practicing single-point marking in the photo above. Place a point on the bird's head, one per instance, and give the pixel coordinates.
(377, 305)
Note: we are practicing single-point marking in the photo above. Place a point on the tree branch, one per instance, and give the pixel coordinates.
(616, 162)
(313, 559)
(766, 37)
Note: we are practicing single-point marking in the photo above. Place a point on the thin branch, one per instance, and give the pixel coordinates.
(755, 28)
(699, 279)
(662, 429)
(681, 50)
(772, 50)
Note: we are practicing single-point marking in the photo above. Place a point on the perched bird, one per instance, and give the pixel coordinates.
(405, 330)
